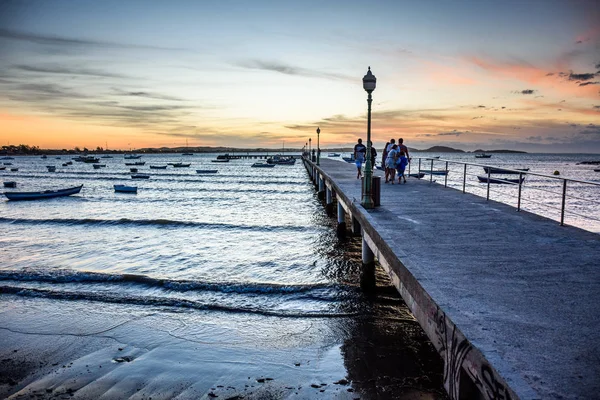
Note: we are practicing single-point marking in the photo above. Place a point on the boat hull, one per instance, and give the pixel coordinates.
(494, 170)
(434, 172)
(47, 194)
(125, 189)
(506, 181)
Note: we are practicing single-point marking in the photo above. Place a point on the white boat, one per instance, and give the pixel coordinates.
(333, 155)
(131, 157)
(125, 189)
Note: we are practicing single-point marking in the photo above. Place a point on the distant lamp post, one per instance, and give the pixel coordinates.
(309, 147)
(318, 146)
(369, 83)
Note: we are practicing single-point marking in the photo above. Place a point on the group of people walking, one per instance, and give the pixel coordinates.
(394, 159)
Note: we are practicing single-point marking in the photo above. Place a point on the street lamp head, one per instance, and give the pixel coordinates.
(369, 81)
(318, 130)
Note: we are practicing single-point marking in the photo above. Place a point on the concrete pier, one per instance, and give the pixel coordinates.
(510, 300)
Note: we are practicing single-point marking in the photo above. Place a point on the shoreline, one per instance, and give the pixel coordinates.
(66, 349)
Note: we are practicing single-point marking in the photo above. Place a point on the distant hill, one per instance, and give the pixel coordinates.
(439, 149)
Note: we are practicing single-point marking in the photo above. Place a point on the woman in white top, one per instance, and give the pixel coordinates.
(390, 163)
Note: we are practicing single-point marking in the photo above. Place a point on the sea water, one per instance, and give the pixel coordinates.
(246, 247)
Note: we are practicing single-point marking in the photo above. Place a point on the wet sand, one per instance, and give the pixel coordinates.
(61, 349)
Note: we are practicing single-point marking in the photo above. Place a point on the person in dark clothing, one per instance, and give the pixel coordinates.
(360, 151)
(373, 155)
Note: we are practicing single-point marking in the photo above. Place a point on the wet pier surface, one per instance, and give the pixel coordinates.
(511, 300)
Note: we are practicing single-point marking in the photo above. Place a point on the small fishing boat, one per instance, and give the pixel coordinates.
(262, 165)
(58, 158)
(44, 156)
(158, 167)
(483, 155)
(98, 166)
(509, 181)
(207, 171)
(106, 156)
(220, 160)
(10, 184)
(46, 194)
(7, 158)
(51, 168)
(69, 163)
(417, 175)
(2, 168)
(65, 164)
(135, 163)
(133, 170)
(7, 163)
(494, 170)
(597, 170)
(349, 159)
(435, 171)
(125, 189)
(91, 160)
(187, 154)
(333, 154)
(131, 157)
(140, 176)
(14, 169)
(180, 165)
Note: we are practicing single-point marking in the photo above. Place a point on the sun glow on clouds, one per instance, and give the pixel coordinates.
(268, 79)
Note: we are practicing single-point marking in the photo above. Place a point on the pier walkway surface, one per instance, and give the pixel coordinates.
(511, 300)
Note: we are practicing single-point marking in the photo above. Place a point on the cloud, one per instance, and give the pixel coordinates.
(148, 95)
(528, 91)
(64, 41)
(291, 70)
(589, 83)
(453, 133)
(581, 77)
(67, 71)
(591, 129)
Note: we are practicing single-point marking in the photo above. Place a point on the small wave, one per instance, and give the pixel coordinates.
(151, 222)
(69, 276)
(165, 302)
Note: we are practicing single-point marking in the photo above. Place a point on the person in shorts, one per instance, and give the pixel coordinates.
(360, 151)
(401, 164)
(390, 163)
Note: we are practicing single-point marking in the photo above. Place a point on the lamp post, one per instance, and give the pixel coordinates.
(309, 146)
(318, 146)
(305, 148)
(369, 83)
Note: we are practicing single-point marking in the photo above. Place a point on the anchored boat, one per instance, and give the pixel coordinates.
(125, 189)
(46, 194)
(485, 179)
(494, 170)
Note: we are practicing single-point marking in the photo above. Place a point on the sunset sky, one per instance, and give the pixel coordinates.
(521, 75)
